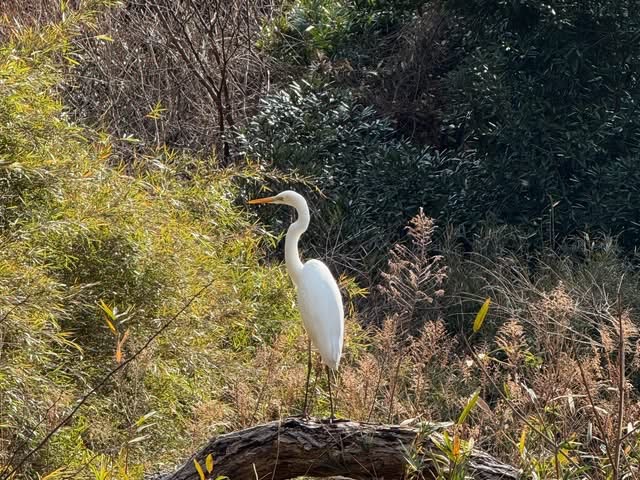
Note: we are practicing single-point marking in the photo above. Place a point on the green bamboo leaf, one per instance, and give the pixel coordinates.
(482, 313)
(467, 409)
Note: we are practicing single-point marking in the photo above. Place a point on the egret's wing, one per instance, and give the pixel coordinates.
(322, 313)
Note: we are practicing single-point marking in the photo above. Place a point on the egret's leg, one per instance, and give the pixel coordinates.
(305, 413)
(330, 394)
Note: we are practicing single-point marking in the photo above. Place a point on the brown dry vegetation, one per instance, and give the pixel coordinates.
(181, 74)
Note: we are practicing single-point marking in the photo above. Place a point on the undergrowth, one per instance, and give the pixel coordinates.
(96, 256)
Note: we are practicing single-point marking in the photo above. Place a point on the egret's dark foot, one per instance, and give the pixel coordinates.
(332, 420)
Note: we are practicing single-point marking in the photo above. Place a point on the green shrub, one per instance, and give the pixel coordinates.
(546, 96)
(77, 233)
(310, 29)
(374, 181)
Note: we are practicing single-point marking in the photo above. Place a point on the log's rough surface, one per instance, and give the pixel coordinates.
(295, 447)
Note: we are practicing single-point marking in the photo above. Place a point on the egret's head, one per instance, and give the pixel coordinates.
(288, 197)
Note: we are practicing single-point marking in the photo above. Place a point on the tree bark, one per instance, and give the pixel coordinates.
(295, 447)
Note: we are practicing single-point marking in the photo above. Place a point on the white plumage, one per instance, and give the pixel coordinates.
(319, 298)
(322, 313)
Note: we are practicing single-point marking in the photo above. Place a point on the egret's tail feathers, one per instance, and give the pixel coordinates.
(332, 363)
(331, 355)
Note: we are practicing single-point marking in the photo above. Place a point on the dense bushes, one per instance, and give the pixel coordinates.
(375, 181)
(82, 240)
(546, 95)
(309, 30)
(540, 98)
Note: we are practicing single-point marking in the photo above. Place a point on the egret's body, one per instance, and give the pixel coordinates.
(319, 298)
(320, 306)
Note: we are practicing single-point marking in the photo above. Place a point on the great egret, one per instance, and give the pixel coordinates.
(319, 298)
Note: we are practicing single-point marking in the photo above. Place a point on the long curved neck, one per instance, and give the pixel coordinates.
(296, 229)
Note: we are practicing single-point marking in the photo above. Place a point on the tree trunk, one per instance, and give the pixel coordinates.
(295, 447)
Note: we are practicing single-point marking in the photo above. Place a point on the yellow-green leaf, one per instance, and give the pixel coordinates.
(482, 313)
(105, 38)
(55, 474)
(467, 409)
(156, 111)
(111, 326)
(199, 469)
(563, 456)
(71, 60)
(523, 440)
(209, 463)
(107, 310)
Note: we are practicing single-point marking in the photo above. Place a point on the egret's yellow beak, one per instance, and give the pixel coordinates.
(262, 200)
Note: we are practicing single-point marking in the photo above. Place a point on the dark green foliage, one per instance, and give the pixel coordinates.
(546, 94)
(348, 28)
(375, 182)
(541, 98)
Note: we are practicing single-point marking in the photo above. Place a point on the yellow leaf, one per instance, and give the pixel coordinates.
(199, 469)
(523, 440)
(107, 310)
(209, 463)
(111, 326)
(109, 316)
(563, 456)
(105, 38)
(482, 313)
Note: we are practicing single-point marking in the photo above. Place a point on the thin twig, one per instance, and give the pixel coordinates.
(621, 384)
(596, 415)
(393, 385)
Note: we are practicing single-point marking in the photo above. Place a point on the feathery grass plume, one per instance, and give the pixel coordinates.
(414, 277)
(511, 340)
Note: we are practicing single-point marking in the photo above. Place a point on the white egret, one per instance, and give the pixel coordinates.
(319, 298)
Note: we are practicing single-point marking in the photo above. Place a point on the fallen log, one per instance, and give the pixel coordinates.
(296, 447)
